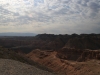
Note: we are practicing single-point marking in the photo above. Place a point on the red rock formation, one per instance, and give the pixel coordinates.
(65, 61)
(89, 54)
(78, 54)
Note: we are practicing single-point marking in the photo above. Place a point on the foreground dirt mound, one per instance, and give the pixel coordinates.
(62, 64)
(12, 67)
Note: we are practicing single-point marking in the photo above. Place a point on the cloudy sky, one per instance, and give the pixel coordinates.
(50, 16)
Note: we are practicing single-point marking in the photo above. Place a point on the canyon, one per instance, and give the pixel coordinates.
(63, 54)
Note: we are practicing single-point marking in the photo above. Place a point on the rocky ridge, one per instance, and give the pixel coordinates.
(69, 61)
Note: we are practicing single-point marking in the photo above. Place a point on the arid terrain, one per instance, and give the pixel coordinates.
(69, 64)
(12, 63)
(63, 54)
(18, 68)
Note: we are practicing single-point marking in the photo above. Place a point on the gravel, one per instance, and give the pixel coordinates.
(12, 67)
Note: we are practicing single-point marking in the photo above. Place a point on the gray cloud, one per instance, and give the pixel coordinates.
(4, 11)
(94, 6)
(69, 14)
(16, 14)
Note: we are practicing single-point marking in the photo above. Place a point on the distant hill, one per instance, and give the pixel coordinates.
(17, 34)
(51, 42)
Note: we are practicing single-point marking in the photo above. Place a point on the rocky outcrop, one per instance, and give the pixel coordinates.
(65, 61)
(69, 53)
(78, 54)
(89, 54)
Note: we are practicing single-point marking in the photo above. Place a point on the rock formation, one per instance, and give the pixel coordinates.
(68, 61)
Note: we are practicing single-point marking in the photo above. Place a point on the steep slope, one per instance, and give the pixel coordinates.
(84, 42)
(78, 54)
(66, 62)
(18, 68)
(10, 54)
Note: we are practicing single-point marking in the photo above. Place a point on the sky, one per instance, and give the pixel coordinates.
(50, 16)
